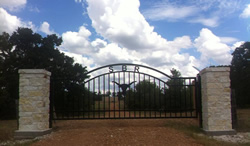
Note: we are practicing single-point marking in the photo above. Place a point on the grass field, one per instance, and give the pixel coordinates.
(7, 128)
(243, 120)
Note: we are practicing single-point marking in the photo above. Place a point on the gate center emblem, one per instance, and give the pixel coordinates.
(124, 87)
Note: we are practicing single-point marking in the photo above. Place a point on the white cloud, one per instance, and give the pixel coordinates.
(129, 29)
(211, 47)
(132, 39)
(77, 42)
(13, 5)
(79, 58)
(246, 12)
(204, 12)
(98, 43)
(10, 23)
(112, 53)
(165, 11)
(33, 9)
(236, 45)
(228, 40)
(45, 28)
(211, 22)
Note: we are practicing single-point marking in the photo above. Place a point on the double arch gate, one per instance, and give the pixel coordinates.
(125, 91)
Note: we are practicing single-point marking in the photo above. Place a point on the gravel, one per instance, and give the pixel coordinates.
(238, 138)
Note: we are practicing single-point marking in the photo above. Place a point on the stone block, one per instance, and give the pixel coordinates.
(25, 114)
(27, 108)
(34, 90)
(216, 99)
(30, 127)
(24, 82)
(25, 120)
(35, 93)
(37, 82)
(40, 104)
(42, 125)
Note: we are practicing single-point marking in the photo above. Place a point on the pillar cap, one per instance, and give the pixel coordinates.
(34, 71)
(215, 69)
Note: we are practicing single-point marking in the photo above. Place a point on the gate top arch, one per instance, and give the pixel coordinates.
(124, 68)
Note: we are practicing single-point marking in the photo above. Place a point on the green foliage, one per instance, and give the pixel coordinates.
(240, 74)
(148, 95)
(178, 96)
(25, 49)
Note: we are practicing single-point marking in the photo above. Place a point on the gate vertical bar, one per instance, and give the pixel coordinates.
(180, 96)
(83, 101)
(139, 95)
(104, 96)
(93, 100)
(88, 100)
(119, 95)
(199, 100)
(99, 95)
(124, 99)
(109, 93)
(185, 97)
(51, 117)
(144, 92)
(155, 106)
(129, 95)
(114, 93)
(149, 97)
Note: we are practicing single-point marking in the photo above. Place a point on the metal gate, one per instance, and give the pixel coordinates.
(125, 91)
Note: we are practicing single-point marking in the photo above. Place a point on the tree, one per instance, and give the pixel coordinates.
(177, 94)
(146, 95)
(26, 49)
(240, 74)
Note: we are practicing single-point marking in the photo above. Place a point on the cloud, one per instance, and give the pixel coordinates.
(45, 28)
(10, 23)
(98, 43)
(170, 12)
(132, 39)
(13, 5)
(236, 45)
(112, 53)
(246, 12)
(211, 47)
(33, 9)
(114, 22)
(79, 58)
(77, 42)
(204, 12)
(228, 40)
(211, 22)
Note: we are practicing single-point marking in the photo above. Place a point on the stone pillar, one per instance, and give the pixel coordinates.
(216, 101)
(34, 90)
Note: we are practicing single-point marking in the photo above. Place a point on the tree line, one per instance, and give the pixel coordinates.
(25, 49)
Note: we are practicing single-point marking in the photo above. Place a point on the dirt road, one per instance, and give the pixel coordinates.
(116, 132)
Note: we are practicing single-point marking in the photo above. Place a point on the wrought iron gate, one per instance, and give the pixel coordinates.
(126, 91)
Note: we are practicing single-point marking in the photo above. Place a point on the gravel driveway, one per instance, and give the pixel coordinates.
(116, 132)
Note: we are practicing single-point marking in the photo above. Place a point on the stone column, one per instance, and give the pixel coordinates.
(34, 90)
(216, 101)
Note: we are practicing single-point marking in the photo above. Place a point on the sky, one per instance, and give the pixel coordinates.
(162, 34)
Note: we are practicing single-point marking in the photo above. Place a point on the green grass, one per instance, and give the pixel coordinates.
(243, 120)
(193, 131)
(7, 129)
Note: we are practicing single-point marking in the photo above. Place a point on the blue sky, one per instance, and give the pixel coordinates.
(163, 34)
